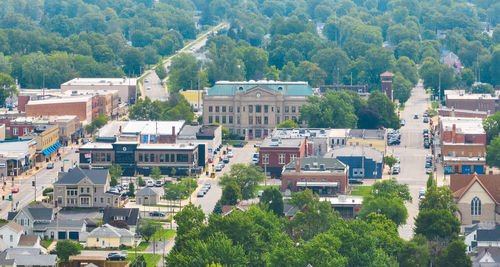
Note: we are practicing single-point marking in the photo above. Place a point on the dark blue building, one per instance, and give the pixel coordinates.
(363, 162)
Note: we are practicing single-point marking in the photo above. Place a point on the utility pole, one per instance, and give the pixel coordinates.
(439, 85)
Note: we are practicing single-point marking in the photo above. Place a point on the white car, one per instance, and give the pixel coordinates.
(150, 183)
(230, 154)
(148, 88)
(255, 158)
(124, 185)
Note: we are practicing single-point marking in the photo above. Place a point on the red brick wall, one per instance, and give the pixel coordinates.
(472, 104)
(60, 109)
(22, 100)
(274, 153)
(293, 177)
(448, 113)
(460, 138)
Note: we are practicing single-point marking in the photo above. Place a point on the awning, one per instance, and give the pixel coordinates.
(51, 148)
(318, 184)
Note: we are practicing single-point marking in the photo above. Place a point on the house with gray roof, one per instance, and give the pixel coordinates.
(58, 229)
(254, 108)
(27, 257)
(29, 217)
(364, 162)
(129, 215)
(85, 188)
(108, 236)
(147, 196)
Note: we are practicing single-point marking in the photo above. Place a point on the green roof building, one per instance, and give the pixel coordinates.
(254, 108)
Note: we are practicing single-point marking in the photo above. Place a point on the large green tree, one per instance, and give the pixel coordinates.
(7, 88)
(272, 198)
(66, 248)
(493, 153)
(247, 177)
(231, 194)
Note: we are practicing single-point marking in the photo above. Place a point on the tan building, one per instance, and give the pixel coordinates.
(85, 189)
(126, 87)
(47, 140)
(477, 197)
(368, 138)
(2, 132)
(254, 108)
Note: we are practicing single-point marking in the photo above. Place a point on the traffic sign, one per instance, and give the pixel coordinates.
(66, 159)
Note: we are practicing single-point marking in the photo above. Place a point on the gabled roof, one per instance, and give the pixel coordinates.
(110, 231)
(146, 191)
(131, 215)
(12, 225)
(460, 183)
(28, 240)
(386, 74)
(77, 174)
(488, 234)
(41, 214)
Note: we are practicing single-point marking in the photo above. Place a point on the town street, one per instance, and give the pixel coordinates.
(412, 154)
(44, 178)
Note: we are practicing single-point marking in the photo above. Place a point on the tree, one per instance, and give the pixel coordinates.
(438, 198)
(255, 60)
(392, 208)
(147, 229)
(133, 60)
(272, 198)
(401, 88)
(184, 73)
(140, 181)
(385, 109)
(454, 255)
(119, 224)
(390, 161)
(247, 177)
(491, 126)
(131, 189)
(66, 248)
(483, 89)
(430, 180)
(231, 194)
(493, 152)
(155, 173)
(161, 72)
(467, 76)
(7, 88)
(189, 223)
(414, 253)
(334, 110)
(289, 124)
(115, 172)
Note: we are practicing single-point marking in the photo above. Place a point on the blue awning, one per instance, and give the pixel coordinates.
(57, 144)
(51, 148)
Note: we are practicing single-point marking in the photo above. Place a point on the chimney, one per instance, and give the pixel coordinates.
(173, 130)
(453, 133)
(120, 129)
(297, 165)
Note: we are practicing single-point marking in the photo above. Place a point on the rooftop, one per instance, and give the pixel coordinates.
(146, 191)
(59, 100)
(316, 164)
(109, 231)
(463, 125)
(377, 134)
(287, 88)
(101, 81)
(181, 146)
(343, 200)
(301, 133)
(28, 240)
(112, 128)
(77, 174)
(279, 142)
(192, 95)
(356, 151)
(153, 127)
(97, 145)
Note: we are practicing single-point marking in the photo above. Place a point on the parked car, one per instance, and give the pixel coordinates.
(428, 170)
(230, 154)
(149, 183)
(15, 190)
(156, 214)
(207, 185)
(225, 160)
(218, 168)
(426, 120)
(113, 256)
(421, 193)
(255, 158)
(50, 165)
(396, 170)
(124, 184)
(355, 181)
(148, 88)
(403, 122)
(146, 80)
(259, 194)
(159, 183)
(239, 144)
(210, 160)
(415, 116)
(428, 164)
(200, 194)
(256, 145)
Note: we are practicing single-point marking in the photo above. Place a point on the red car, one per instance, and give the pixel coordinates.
(15, 190)
(210, 160)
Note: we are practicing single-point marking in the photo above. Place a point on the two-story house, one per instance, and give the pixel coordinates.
(29, 217)
(10, 233)
(85, 189)
(130, 216)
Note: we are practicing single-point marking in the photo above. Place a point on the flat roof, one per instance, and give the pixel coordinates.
(97, 145)
(374, 134)
(318, 184)
(343, 200)
(463, 125)
(153, 127)
(56, 100)
(451, 158)
(181, 146)
(101, 81)
(278, 142)
(356, 151)
(111, 129)
(43, 119)
(301, 133)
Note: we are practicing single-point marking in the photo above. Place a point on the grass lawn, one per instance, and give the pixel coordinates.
(362, 190)
(142, 246)
(151, 260)
(232, 142)
(164, 233)
(46, 243)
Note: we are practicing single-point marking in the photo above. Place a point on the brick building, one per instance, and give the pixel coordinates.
(463, 145)
(126, 87)
(451, 112)
(480, 102)
(274, 153)
(80, 106)
(47, 141)
(324, 176)
(386, 78)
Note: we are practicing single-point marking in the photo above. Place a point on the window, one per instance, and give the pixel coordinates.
(277, 119)
(266, 108)
(238, 121)
(140, 156)
(210, 119)
(293, 109)
(265, 159)
(287, 109)
(172, 157)
(475, 207)
(286, 118)
(25, 130)
(217, 119)
(217, 109)
(102, 199)
(11, 238)
(81, 190)
(210, 109)
(14, 131)
(277, 109)
(250, 120)
(88, 190)
(108, 157)
(223, 119)
(161, 157)
(167, 157)
(281, 159)
(223, 108)
(146, 157)
(182, 158)
(95, 189)
(258, 120)
(294, 118)
(152, 157)
(238, 109)
(266, 120)
(258, 108)
(230, 119)
(230, 108)
(292, 157)
(250, 109)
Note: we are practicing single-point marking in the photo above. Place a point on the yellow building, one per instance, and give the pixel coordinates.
(108, 236)
(47, 140)
(194, 98)
(368, 138)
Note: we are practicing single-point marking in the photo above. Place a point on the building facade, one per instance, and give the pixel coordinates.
(80, 106)
(368, 138)
(274, 153)
(47, 141)
(460, 100)
(253, 109)
(386, 78)
(324, 176)
(363, 162)
(126, 87)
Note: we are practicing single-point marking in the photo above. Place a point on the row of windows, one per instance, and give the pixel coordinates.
(84, 200)
(152, 157)
(259, 120)
(281, 158)
(101, 157)
(15, 131)
(256, 108)
(455, 153)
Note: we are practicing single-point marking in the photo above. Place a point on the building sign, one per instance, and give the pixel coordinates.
(3, 165)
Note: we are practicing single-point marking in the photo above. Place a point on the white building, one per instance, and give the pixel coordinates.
(127, 87)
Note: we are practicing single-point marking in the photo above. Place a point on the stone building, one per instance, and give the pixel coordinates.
(254, 108)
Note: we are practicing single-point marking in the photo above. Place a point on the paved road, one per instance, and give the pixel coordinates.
(153, 88)
(44, 178)
(240, 155)
(412, 155)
